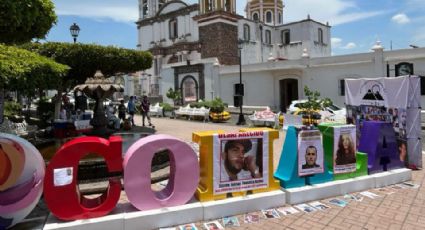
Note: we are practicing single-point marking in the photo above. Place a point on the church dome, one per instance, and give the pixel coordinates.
(267, 11)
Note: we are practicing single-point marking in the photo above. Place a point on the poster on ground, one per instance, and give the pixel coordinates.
(344, 156)
(310, 152)
(240, 161)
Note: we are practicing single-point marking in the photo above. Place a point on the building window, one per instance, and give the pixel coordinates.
(342, 87)
(320, 34)
(227, 6)
(145, 8)
(280, 18)
(269, 17)
(255, 16)
(173, 28)
(268, 37)
(285, 37)
(422, 79)
(246, 33)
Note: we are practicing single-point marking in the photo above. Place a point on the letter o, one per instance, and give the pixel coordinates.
(184, 173)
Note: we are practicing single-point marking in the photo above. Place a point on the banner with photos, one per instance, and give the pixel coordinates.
(394, 100)
(344, 157)
(240, 161)
(310, 152)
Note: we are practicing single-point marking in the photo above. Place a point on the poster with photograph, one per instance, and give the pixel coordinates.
(240, 161)
(310, 152)
(213, 225)
(392, 100)
(231, 221)
(288, 210)
(344, 149)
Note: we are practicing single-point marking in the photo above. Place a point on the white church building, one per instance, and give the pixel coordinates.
(196, 50)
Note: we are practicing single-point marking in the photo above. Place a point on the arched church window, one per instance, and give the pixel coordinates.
(268, 37)
(246, 32)
(269, 17)
(173, 28)
(320, 36)
(255, 16)
(285, 37)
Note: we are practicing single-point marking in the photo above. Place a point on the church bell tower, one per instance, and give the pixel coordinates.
(218, 30)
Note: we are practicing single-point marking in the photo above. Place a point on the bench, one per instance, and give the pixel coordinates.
(22, 129)
(191, 113)
(155, 110)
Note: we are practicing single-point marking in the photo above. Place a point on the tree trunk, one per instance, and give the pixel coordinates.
(57, 100)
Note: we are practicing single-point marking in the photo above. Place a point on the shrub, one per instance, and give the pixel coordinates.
(12, 108)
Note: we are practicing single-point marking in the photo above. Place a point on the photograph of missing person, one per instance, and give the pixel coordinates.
(213, 225)
(344, 149)
(288, 210)
(251, 218)
(231, 221)
(305, 208)
(319, 205)
(338, 202)
(270, 213)
(239, 160)
(402, 150)
(310, 152)
(188, 227)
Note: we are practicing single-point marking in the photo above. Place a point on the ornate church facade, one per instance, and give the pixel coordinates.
(197, 49)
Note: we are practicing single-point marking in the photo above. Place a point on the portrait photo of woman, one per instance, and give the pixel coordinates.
(346, 153)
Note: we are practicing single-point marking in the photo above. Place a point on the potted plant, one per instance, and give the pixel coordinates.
(167, 109)
(313, 106)
(217, 113)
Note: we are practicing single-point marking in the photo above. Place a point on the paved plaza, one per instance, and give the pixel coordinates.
(395, 208)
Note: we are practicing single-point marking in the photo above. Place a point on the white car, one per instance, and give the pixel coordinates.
(333, 109)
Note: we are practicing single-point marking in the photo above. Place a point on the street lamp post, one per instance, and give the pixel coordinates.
(75, 30)
(241, 120)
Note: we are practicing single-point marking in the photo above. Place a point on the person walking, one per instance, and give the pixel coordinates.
(131, 107)
(144, 107)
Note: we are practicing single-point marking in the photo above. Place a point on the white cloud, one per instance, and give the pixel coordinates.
(349, 46)
(117, 10)
(335, 12)
(400, 19)
(337, 43)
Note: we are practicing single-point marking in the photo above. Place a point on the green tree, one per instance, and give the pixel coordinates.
(23, 20)
(174, 95)
(21, 70)
(85, 59)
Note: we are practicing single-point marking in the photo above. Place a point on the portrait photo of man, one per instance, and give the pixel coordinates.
(236, 164)
(310, 158)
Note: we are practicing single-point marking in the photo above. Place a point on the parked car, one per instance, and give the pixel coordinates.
(333, 109)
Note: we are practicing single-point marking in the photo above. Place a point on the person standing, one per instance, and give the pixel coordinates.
(121, 111)
(131, 107)
(144, 107)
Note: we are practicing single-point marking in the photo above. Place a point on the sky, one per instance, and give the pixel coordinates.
(356, 24)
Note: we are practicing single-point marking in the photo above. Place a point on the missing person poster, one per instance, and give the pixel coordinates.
(240, 161)
(310, 152)
(344, 149)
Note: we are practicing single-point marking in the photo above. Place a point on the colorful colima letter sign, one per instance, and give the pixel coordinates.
(21, 179)
(184, 173)
(60, 184)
